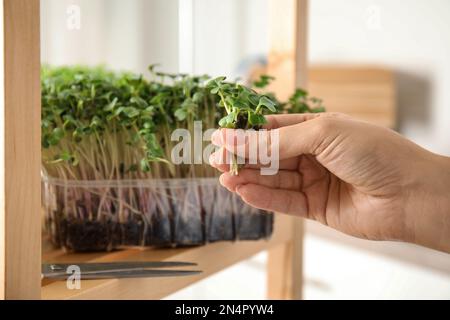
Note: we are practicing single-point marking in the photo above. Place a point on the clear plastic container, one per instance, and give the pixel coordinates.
(104, 215)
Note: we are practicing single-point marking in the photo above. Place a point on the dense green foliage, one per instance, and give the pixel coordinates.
(99, 125)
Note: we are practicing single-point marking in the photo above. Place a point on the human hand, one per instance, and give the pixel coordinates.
(364, 180)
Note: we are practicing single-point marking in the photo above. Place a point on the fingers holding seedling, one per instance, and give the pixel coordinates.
(275, 200)
(247, 109)
(286, 180)
(253, 146)
(244, 107)
(221, 161)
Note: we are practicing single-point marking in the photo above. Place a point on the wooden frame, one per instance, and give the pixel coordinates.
(288, 64)
(20, 170)
(20, 224)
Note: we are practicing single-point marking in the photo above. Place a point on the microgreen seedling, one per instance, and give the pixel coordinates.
(244, 107)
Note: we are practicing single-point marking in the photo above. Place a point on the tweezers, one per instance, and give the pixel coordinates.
(115, 270)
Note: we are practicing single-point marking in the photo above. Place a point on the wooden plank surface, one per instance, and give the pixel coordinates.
(210, 258)
(21, 228)
(288, 64)
(364, 92)
(301, 81)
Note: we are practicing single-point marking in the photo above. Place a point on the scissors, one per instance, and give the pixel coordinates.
(116, 270)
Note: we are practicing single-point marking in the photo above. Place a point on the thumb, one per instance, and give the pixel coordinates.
(308, 137)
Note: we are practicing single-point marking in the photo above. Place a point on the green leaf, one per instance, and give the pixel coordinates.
(141, 103)
(80, 105)
(119, 111)
(318, 110)
(218, 81)
(197, 97)
(135, 138)
(145, 165)
(133, 168)
(181, 114)
(93, 91)
(263, 81)
(58, 133)
(254, 99)
(69, 122)
(110, 106)
(45, 141)
(228, 121)
(131, 112)
(152, 67)
(256, 119)
(45, 124)
(299, 94)
(96, 122)
(77, 135)
(269, 104)
(240, 104)
(69, 158)
(148, 125)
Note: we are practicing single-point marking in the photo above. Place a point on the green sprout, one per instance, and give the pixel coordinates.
(244, 108)
(300, 102)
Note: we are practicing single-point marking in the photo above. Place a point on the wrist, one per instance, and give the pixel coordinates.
(429, 206)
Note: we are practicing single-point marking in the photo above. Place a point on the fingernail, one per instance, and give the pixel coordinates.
(216, 138)
(211, 159)
(222, 179)
(216, 158)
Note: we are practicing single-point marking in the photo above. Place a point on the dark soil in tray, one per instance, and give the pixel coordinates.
(159, 232)
(83, 236)
(221, 224)
(254, 226)
(132, 232)
(187, 218)
(167, 218)
(251, 224)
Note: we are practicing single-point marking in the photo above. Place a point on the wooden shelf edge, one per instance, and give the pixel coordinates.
(210, 259)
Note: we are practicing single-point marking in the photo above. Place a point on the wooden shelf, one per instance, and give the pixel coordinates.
(364, 92)
(210, 259)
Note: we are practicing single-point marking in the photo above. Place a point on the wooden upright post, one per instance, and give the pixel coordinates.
(288, 63)
(20, 221)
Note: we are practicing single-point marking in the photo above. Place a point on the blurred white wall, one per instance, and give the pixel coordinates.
(228, 32)
(123, 34)
(199, 36)
(411, 37)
